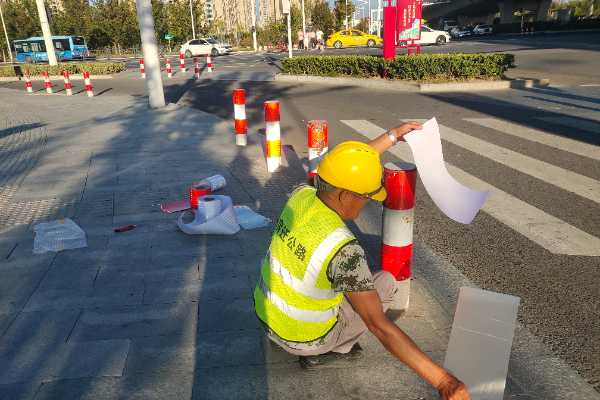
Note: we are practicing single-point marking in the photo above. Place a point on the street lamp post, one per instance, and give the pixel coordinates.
(46, 32)
(346, 14)
(6, 35)
(193, 24)
(303, 23)
(253, 14)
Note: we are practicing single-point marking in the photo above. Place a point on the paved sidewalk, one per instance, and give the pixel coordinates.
(153, 313)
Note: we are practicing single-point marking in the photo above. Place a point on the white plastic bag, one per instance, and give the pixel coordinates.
(223, 222)
(215, 182)
(249, 219)
(58, 235)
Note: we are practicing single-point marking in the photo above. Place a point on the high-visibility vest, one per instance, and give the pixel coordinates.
(294, 297)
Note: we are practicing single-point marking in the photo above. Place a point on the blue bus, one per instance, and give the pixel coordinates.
(33, 49)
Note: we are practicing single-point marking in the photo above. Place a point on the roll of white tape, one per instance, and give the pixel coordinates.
(210, 207)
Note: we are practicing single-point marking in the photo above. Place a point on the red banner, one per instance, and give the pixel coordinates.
(409, 19)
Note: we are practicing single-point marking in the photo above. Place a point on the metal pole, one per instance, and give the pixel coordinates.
(154, 83)
(289, 24)
(346, 14)
(6, 36)
(379, 17)
(303, 23)
(253, 14)
(193, 24)
(46, 32)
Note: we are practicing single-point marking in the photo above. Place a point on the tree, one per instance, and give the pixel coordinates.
(341, 11)
(322, 17)
(363, 25)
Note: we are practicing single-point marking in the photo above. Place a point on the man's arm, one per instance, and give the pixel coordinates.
(385, 141)
(367, 304)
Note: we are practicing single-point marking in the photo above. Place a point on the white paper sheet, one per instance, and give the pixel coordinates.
(455, 200)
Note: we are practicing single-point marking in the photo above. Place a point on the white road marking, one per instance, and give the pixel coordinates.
(551, 233)
(590, 85)
(572, 122)
(538, 136)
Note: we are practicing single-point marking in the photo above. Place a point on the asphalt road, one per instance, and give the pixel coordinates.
(541, 240)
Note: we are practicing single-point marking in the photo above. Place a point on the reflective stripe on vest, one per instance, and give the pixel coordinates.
(307, 286)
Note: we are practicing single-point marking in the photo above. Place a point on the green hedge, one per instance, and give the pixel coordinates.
(94, 68)
(422, 67)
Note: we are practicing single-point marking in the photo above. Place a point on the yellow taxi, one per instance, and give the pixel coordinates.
(353, 37)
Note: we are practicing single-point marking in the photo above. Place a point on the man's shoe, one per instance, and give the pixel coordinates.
(331, 359)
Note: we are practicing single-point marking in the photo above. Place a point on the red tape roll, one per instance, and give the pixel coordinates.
(397, 260)
(196, 192)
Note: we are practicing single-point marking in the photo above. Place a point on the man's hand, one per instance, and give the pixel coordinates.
(405, 128)
(451, 388)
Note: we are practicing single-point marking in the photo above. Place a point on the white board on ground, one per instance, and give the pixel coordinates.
(456, 201)
(480, 341)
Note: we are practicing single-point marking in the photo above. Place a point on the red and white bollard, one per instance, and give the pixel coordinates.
(89, 89)
(182, 62)
(47, 83)
(28, 84)
(209, 64)
(273, 134)
(196, 68)
(168, 67)
(142, 69)
(397, 238)
(317, 144)
(239, 114)
(68, 85)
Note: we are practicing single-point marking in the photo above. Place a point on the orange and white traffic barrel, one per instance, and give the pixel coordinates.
(209, 64)
(182, 62)
(68, 85)
(142, 69)
(196, 68)
(47, 83)
(239, 115)
(89, 89)
(273, 134)
(317, 144)
(397, 237)
(28, 84)
(168, 67)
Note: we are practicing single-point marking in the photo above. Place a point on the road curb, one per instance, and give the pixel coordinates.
(533, 367)
(76, 77)
(376, 83)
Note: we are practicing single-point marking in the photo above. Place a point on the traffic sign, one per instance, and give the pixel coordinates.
(168, 36)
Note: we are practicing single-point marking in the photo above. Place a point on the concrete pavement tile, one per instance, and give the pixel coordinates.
(384, 381)
(210, 288)
(32, 332)
(140, 218)
(19, 391)
(176, 320)
(16, 286)
(69, 277)
(266, 382)
(80, 389)
(68, 360)
(220, 316)
(124, 293)
(229, 349)
(211, 265)
(5, 321)
(273, 353)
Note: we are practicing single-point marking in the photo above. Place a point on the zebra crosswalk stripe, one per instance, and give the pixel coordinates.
(538, 136)
(571, 122)
(551, 233)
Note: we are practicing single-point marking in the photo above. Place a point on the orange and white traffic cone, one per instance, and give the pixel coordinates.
(28, 84)
(89, 89)
(273, 135)
(196, 68)
(397, 236)
(239, 114)
(182, 62)
(68, 85)
(317, 144)
(47, 83)
(209, 64)
(142, 69)
(168, 67)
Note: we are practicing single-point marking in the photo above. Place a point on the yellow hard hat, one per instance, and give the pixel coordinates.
(354, 166)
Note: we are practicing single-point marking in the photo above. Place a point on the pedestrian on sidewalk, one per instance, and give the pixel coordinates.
(300, 40)
(320, 42)
(316, 295)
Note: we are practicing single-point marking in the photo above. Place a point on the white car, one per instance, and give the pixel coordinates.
(483, 29)
(431, 36)
(204, 46)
